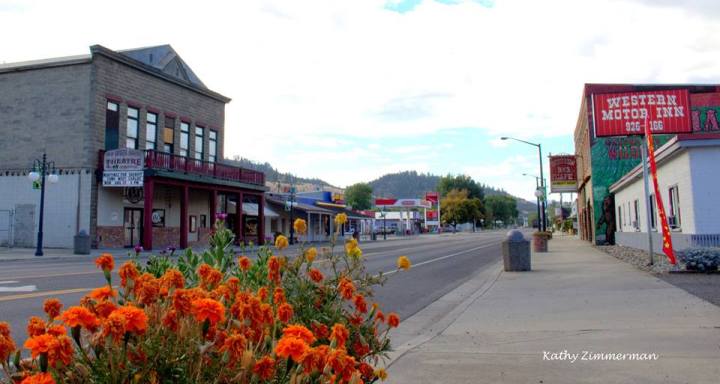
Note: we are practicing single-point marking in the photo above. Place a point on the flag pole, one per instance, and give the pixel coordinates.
(648, 214)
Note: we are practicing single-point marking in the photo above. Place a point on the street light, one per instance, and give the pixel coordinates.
(383, 213)
(542, 179)
(537, 198)
(41, 168)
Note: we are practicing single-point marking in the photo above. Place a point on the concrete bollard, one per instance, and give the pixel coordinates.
(516, 252)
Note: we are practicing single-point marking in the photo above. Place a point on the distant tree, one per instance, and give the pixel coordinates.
(502, 208)
(359, 196)
(456, 208)
(459, 183)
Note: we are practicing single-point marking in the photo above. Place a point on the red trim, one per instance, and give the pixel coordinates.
(185, 119)
(200, 124)
(134, 104)
(113, 98)
(152, 109)
(170, 114)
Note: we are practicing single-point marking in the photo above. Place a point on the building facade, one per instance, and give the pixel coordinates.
(142, 105)
(603, 161)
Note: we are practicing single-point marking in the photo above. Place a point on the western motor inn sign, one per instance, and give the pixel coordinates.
(123, 168)
(624, 114)
(563, 174)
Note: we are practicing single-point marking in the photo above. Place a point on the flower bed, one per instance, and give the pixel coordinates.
(215, 317)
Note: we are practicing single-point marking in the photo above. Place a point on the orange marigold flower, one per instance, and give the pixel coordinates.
(105, 262)
(244, 263)
(170, 320)
(4, 328)
(278, 296)
(128, 271)
(340, 219)
(173, 279)
(339, 334)
(291, 347)
(209, 276)
(403, 262)
(360, 349)
(233, 283)
(360, 303)
(147, 289)
(265, 368)
(208, 309)
(61, 351)
(299, 331)
(39, 378)
(366, 370)
(379, 316)
(346, 288)
(316, 275)
(105, 308)
(7, 345)
(136, 319)
(300, 226)
(341, 363)
(281, 242)
(285, 312)
(52, 308)
(80, 316)
(274, 269)
(36, 326)
(57, 330)
(182, 301)
(315, 359)
(234, 345)
(262, 293)
(115, 326)
(103, 293)
(393, 320)
(321, 330)
(39, 344)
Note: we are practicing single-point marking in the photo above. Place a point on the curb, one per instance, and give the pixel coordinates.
(459, 299)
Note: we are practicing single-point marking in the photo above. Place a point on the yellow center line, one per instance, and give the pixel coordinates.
(43, 294)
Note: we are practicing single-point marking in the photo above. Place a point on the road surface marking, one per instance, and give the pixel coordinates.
(442, 258)
(24, 288)
(9, 282)
(42, 294)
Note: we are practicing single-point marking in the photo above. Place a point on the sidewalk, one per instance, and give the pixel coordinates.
(576, 299)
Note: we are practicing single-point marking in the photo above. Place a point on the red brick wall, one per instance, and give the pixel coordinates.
(111, 237)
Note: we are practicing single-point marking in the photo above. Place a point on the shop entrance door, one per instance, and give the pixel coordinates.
(133, 226)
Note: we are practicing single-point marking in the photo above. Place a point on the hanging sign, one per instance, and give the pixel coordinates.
(123, 168)
(563, 174)
(625, 114)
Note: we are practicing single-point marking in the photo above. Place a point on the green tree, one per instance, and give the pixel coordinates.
(459, 183)
(502, 208)
(457, 208)
(359, 196)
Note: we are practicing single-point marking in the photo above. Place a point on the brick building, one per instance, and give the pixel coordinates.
(143, 104)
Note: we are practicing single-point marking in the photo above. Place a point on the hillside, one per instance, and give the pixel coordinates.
(276, 180)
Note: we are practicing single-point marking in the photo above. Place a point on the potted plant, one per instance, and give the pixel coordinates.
(540, 241)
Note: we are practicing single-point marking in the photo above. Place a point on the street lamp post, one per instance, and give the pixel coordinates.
(542, 179)
(44, 167)
(537, 198)
(290, 204)
(383, 213)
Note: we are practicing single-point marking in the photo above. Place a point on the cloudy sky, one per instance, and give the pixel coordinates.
(350, 90)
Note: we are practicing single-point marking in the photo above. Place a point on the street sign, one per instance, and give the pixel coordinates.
(123, 178)
(563, 174)
(626, 114)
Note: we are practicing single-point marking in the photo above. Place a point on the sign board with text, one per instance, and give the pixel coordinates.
(123, 178)
(123, 168)
(563, 174)
(625, 114)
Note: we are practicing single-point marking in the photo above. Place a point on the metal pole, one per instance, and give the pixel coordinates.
(647, 199)
(539, 215)
(542, 179)
(38, 251)
(384, 225)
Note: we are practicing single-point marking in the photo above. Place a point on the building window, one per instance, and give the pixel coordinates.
(674, 219)
(151, 130)
(199, 132)
(169, 135)
(620, 218)
(112, 126)
(184, 138)
(132, 128)
(636, 210)
(212, 137)
(653, 219)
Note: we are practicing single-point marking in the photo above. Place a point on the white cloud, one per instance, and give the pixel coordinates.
(303, 72)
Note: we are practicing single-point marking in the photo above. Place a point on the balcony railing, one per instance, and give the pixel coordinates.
(174, 163)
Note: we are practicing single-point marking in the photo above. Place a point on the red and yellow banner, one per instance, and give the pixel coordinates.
(667, 240)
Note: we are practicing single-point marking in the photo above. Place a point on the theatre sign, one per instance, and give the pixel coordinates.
(123, 168)
(625, 114)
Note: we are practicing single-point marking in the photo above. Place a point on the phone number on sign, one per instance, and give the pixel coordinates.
(636, 126)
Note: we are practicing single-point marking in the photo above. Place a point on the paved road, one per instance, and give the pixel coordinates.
(440, 263)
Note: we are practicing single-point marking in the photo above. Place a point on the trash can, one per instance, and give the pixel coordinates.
(373, 235)
(82, 243)
(516, 252)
